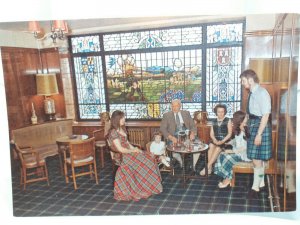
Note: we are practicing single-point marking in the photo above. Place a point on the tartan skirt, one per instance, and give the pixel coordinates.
(263, 151)
(224, 164)
(137, 177)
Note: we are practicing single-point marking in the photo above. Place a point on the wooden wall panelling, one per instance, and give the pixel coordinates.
(20, 66)
(148, 127)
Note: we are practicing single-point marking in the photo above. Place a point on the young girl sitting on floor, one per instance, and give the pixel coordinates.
(158, 148)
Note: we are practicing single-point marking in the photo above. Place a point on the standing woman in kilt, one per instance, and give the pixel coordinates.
(259, 143)
(138, 175)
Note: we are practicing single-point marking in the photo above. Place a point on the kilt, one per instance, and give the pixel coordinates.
(137, 177)
(224, 164)
(263, 151)
(291, 149)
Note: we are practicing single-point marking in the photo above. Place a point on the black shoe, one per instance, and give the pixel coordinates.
(252, 194)
(193, 173)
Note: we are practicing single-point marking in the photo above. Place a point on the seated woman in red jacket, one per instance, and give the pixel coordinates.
(138, 175)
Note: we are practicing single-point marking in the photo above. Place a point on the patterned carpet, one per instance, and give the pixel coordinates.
(200, 196)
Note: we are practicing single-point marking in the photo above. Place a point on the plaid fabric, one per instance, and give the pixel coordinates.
(114, 134)
(263, 151)
(224, 164)
(291, 151)
(138, 177)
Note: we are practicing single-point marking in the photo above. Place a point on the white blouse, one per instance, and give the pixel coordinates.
(240, 146)
(158, 148)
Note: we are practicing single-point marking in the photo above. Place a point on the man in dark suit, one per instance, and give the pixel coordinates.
(174, 121)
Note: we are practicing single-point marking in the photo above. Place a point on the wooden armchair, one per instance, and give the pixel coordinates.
(33, 167)
(100, 144)
(80, 154)
(247, 167)
(116, 158)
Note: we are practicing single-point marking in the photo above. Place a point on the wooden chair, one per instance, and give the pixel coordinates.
(100, 144)
(247, 167)
(80, 154)
(136, 137)
(33, 168)
(116, 158)
(162, 167)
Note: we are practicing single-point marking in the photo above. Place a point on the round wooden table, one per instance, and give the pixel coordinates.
(184, 150)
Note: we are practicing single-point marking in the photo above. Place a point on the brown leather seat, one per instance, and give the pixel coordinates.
(33, 167)
(80, 154)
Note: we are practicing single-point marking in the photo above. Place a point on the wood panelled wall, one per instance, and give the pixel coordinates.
(148, 127)
(20, 66)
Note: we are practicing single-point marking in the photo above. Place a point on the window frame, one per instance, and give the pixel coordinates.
(203, 47)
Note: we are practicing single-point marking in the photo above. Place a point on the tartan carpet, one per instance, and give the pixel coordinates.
(199, 196)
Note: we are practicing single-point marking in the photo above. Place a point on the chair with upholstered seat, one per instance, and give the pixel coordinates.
(80, 154)
(100, 144)
(33, 167)
(247, 167)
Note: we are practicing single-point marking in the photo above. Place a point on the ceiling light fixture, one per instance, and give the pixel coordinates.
(59, 29)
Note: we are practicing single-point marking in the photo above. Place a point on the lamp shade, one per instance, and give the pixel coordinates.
(34, 26)
(46, 84)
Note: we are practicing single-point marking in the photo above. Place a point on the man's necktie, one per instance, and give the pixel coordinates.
(177, 121)
(248, 103)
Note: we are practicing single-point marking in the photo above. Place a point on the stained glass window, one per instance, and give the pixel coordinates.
(85, 44)
(153, 79)
(153, 38)
(225, 33)
(90, 86)
(145, 70)
(223, 68)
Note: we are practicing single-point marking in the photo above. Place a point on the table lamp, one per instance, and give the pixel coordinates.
(46, 85)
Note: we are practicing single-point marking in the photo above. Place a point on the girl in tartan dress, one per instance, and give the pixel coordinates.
(228, 158)
(138, 175)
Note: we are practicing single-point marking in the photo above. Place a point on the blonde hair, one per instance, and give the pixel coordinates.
(104, 117)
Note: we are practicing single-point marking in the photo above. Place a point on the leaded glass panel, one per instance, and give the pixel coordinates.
(153, 39)
(85, 44)
(90, 86)
(143, 76)
(225, 33)
(223, 68)
(155, 77)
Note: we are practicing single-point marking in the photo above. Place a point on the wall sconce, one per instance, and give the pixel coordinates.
(59, 29)
(47, 85)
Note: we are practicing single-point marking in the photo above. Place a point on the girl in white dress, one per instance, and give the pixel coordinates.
(158, 148)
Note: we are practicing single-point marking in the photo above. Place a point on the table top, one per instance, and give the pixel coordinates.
(71, 138)
(193, 148)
